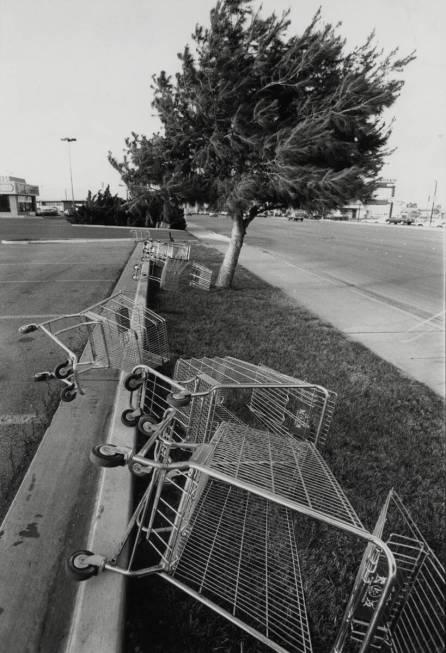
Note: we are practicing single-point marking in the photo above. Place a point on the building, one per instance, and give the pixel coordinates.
(60, 205)
(379, 208)
(17, 198)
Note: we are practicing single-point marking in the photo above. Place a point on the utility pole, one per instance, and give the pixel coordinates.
(433, 202)
(69, 141)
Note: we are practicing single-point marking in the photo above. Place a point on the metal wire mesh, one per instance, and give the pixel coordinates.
(282, 465)
(156, 249)
(304, 412)
(172, 272)
(414, 620)
(116, 333)
(200, 276)
(239, 553)
(234, 549)
(144, 330)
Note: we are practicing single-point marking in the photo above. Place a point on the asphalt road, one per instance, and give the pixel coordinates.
(402, 266)
(381, 285)
(39, 281)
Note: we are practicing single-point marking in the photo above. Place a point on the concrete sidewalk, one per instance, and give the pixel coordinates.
(415, 346)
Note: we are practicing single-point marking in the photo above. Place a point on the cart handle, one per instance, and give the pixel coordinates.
(146, 369)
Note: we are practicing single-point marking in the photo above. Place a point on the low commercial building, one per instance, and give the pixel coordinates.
(17, 198)
(379, 208)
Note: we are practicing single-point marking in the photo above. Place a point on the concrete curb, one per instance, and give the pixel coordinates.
(98, 617)
(49, 518)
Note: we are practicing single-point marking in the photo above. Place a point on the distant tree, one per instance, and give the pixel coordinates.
(259, 119)
(148, 172)
(101, 208)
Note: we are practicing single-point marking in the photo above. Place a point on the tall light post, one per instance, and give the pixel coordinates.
(69, 141)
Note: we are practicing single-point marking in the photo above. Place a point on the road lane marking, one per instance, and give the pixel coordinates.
(66, 241)
(57, 281)
(25, 418)
(26, 317)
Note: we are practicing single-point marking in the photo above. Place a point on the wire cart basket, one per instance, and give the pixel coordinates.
(218, 519)
(414, 615)
(272, 400)
(157, 249)
(200, 276)
(114, 333)
(232, 390)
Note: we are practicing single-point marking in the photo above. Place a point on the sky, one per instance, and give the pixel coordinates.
(82, 69)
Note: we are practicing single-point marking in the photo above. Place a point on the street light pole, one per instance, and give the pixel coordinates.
(69, 141)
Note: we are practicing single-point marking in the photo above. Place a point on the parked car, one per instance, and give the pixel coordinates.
(47, 210)
(297, 216)
(400, 219)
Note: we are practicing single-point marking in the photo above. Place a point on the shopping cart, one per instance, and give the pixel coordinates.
(157, 249)
(115, 333)
(414, 615)
(200, 276)
(218, 520)
(229, 389)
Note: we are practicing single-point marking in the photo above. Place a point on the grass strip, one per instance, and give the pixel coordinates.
(388, 431)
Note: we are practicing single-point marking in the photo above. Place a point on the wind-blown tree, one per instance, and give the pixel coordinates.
(147, 171)
(259, 119)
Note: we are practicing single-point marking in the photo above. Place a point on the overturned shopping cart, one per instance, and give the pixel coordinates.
(220, 519)
(230, 389)
(167, 263)
(114, 333)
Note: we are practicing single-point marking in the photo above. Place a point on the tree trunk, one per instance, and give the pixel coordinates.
(227, 268)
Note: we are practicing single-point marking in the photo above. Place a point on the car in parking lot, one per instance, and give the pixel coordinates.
(47, 210)
(400, 219)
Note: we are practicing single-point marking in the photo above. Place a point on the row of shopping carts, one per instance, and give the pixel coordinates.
(231, 458)
(231, 455)
(168, 264)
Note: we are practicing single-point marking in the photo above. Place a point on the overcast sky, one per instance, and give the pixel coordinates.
(82, 69)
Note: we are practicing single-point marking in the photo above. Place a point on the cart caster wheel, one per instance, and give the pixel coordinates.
(63, 370)
(133, 382)
(78, 568)
(178, 400)
(69, 393)
(146, 425)
(105, 455)
(27, 328)
(127, 419)
(43, 376)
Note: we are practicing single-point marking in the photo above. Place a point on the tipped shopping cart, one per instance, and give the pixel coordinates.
(167, 263)
(413, 620)
(115, 333)
(233, 390)
(219, 519)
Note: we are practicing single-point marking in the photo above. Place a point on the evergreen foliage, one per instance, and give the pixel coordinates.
(258, 118)
(101, 208)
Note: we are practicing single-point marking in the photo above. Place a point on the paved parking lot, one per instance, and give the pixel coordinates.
(37, 282)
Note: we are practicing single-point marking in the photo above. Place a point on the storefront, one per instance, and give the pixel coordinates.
(17, 198)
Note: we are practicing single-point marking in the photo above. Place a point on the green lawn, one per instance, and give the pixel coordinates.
(387, 432)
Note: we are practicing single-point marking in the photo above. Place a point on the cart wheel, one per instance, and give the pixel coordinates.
(133, 382)
(127, 419)
(178, 400)
(69, 393)
(105, 455)
(42, 376)
(63, 370)
(78, 568)
(146, 425)
(28, 328)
